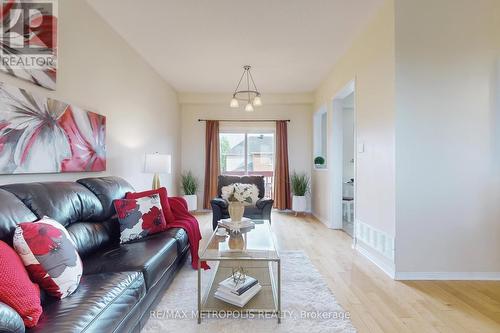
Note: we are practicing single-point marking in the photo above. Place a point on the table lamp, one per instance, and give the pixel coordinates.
(157, 163)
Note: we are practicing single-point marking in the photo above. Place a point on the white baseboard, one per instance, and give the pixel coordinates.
(381, 262)
(458, 276)
(321, 219)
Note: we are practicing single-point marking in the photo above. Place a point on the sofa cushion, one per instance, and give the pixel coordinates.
(139, 217)
(12, 212)
(66, 202)
(107, 189)
(100, 304)
(92, 236)
(16, 288)
(165, 204)
(152, 256)
(50, 256)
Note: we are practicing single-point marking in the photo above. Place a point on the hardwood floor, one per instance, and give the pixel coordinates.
(376, 302)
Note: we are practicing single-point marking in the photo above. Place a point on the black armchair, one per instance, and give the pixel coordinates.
(261, 210)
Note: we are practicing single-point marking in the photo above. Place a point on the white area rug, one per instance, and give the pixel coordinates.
(308, 305)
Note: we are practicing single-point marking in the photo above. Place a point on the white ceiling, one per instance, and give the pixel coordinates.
(200, 46)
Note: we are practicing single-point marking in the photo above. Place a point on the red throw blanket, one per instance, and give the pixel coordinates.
(186, 221)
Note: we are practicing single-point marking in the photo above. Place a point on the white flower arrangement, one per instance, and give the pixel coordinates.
(247, 194)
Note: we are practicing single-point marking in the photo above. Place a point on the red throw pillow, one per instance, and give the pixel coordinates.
(139, 217)
(16, 288)
(50, 256)
(165, 205)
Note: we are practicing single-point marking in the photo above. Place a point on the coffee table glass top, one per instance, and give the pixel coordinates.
(254, 243)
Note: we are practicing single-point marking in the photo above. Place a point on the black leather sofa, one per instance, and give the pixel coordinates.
(120, 283)
(261, 210)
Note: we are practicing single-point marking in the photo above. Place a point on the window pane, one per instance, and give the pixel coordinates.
(260, 153)
(232, 152)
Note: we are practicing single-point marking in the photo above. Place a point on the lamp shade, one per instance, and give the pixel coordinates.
(158, 163)
(234, 103)
(257, 101)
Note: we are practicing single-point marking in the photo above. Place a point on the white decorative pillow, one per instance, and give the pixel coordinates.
(50, 256)
(139, 217)
(247, 194)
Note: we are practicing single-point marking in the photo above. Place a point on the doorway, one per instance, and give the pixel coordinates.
(348, 164)
(343, 152)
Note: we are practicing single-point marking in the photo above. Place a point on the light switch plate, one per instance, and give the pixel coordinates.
(361, 148)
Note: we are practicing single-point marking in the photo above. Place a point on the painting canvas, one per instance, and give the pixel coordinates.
(28, 48)
(44, 135)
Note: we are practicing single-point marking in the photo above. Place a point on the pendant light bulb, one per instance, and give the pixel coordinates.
(257, 101)
(234, 103)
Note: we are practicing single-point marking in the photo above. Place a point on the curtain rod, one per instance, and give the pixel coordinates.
(246, 120)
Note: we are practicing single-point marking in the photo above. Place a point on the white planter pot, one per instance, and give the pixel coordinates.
(192, 201)
(299, 203)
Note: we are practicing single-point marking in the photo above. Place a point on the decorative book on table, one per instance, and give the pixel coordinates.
(244, 223)
(237, 294)
(230, 286)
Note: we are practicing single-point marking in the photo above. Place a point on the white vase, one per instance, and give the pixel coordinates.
(192, 201)
(298, 203)
(236, 211)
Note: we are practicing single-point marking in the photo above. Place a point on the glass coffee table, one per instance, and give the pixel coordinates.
(254, 250)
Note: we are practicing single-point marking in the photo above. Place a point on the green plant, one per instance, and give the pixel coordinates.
(300, 183)
(189, 183)
(319, 160)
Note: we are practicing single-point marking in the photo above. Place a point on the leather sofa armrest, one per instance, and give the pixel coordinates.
(10, 321)
(219, 202)
(261, 203)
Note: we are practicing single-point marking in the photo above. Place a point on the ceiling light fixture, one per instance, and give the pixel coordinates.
(250, 96)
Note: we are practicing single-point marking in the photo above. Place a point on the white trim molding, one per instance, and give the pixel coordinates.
(385, 265)
(458, 276)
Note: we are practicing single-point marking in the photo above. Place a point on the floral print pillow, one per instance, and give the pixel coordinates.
(49, 255)
(139, 217)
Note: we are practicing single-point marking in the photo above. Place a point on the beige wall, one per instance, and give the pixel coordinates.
(448, 136)
(100, 72)
(370, 61)
(296, 107)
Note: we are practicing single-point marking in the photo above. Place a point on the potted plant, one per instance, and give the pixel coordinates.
(300, 187)
(190, 187)
(239, 195)
(319, 162)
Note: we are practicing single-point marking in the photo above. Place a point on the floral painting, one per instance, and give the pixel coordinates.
(44, 135)
(28, 40)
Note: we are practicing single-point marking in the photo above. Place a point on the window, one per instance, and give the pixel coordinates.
(320, 135)
(248, 153)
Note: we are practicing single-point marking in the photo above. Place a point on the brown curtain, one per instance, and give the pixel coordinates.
(212, 161)
(282, 199)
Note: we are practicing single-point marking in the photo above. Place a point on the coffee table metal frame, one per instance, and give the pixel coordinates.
(264, 263)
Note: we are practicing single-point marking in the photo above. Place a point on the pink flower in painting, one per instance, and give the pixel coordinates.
(86, 134)
(31, 138)
(39, 134)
